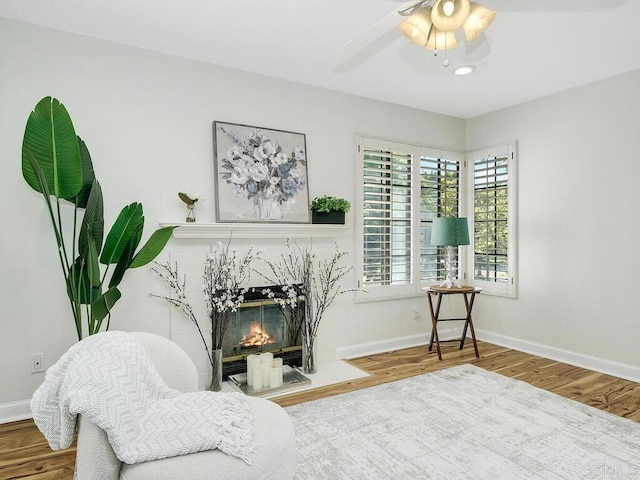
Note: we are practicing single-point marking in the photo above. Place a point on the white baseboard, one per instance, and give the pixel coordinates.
(372, 348)
(596, 364)
(14, 411)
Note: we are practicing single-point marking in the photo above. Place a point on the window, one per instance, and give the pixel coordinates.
(403, 188)
(493, 215)
(387, 210)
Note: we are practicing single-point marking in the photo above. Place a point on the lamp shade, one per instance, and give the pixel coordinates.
(417, 27)
(478, 21)
(448, 23)
(451, 231)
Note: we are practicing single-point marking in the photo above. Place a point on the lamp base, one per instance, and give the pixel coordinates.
(449, 284)
(450, 269)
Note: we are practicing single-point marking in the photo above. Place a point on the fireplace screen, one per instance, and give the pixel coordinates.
(260, 325)
(257, 327)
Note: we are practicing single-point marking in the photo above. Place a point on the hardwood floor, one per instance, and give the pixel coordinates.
(24, 453)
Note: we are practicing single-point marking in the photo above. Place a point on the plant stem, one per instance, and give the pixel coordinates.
(108, 321)
(62, 243)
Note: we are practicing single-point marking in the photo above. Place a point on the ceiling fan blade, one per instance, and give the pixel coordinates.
(476, 49)
(367, 39)
(407, 11)
(552, 5)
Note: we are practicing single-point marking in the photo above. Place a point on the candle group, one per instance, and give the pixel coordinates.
(264, 371)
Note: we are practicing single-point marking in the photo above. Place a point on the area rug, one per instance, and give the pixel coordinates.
(461, 423)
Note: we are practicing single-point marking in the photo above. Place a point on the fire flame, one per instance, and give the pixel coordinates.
(256, 337)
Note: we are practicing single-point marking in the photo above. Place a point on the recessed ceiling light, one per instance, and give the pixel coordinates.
(465, 70)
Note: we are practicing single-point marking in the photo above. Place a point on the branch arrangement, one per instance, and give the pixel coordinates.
(317, 285)
(321, 282)
(225, 277)
(179, 298)
(224, 286)
(289, 293)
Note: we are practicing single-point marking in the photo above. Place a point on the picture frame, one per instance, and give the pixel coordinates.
(260, 174)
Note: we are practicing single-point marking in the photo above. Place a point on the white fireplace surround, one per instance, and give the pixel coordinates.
(269, 236)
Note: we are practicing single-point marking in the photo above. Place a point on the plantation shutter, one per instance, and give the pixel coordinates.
(387, 215)
(439, 197)
(492, 173)
(491, 211)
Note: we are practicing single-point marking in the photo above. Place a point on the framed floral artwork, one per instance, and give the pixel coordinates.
(260, 174)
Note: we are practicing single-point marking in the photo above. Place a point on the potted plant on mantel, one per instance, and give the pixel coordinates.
(328, 209)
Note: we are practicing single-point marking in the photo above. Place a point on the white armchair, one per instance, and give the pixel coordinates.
(273, 434)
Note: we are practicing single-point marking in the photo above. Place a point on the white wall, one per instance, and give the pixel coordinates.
(146, 118)
(579, 173)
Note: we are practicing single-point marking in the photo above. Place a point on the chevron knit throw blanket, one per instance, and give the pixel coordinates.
(110, 379)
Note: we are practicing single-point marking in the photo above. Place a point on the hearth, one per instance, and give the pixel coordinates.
(260, 325)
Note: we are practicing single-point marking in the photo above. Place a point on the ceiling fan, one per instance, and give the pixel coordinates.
(428, 23)
(432, 23)
(441, 25)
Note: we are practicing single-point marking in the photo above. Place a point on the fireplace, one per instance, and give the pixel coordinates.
(260, 325)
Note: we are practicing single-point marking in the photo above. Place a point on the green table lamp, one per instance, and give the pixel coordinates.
(450, 232)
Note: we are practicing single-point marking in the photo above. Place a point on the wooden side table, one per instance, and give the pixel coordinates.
(469, 295)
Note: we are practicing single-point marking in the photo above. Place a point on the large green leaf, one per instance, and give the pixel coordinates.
(93, 267)
(92, 228)
(79, 278)
(44, 189)
(50, 137)
(129, 220)
(88, 176)
(125, 258)
(153, 247)
(102, 306)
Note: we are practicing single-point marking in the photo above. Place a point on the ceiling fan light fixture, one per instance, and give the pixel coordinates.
(479, 19)
(416, 28)
(448, 23)
(439, 40)
(433, 24)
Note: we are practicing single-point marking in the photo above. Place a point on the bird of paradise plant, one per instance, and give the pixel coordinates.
(57, 164)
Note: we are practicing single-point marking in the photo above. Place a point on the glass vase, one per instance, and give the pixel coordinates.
(275, 210)
(258, 207)
(309, 354)
(216, 370)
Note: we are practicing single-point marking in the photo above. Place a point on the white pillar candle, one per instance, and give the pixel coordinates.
(252, 362)
(275, 377)
(266, 358)
(277, 362)
(265, 374)
(257, 378)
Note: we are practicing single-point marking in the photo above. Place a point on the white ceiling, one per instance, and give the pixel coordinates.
(538, 47)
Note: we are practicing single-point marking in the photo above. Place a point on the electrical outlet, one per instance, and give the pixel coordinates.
(37, 362)
(415, 313)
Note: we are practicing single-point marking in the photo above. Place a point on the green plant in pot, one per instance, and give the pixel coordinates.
(329, 209)
(57, 164)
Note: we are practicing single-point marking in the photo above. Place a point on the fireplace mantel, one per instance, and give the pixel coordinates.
(256, 230)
